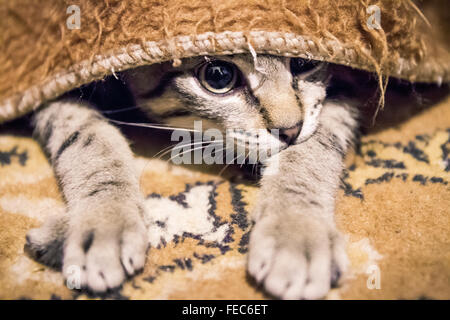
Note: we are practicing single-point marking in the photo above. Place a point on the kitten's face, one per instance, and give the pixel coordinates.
(235, 92)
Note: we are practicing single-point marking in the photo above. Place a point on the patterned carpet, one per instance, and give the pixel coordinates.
(393, 208)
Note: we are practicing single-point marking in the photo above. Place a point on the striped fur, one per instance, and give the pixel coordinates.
(295, 249)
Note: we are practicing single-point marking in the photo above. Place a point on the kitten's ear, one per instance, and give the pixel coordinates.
(310, 121)
(312, 96)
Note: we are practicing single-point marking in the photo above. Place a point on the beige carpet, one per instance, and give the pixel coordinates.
(393, 208)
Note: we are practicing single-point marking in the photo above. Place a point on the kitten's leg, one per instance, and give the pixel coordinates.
(103, 232)
(295, 248)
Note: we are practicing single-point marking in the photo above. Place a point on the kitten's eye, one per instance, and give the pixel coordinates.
(218, 76)
(299, 65)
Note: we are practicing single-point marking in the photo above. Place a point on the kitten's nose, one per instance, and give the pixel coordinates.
(289, 135)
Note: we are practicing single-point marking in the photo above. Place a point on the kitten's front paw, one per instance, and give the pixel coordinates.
(107, 249)
(296, 256)
(99, 248)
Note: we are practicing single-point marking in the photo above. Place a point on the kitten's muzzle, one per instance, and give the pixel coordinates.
(290, 135)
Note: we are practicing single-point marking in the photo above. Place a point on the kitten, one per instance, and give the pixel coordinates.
(295, 250)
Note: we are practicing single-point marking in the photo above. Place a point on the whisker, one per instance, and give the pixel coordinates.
(164, 150)
(172, 146)
(118, 110)
(228, 164)
(190, 150)
(220, 150)
(185, 145)
(153, 126)
(184, 152)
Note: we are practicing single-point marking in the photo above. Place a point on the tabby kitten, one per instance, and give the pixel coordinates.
(295, 250)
